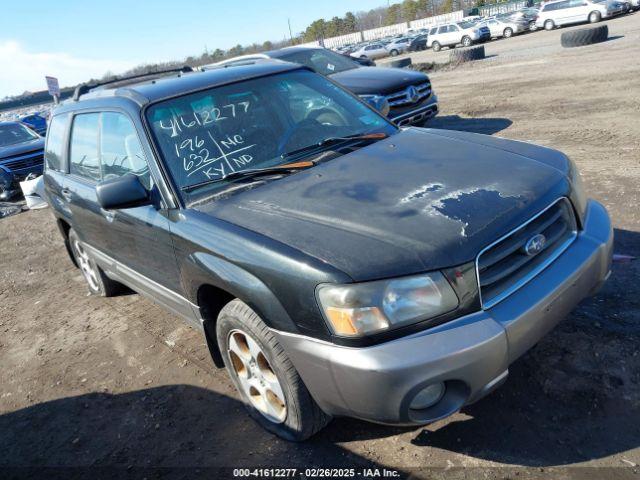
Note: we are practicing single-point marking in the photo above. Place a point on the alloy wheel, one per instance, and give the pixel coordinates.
(87, 269)
(257, 378)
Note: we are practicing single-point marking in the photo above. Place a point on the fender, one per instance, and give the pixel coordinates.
(203, 268)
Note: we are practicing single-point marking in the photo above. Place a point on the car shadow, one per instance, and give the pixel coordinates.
(184, 428)
(487, 126)
(574, 396)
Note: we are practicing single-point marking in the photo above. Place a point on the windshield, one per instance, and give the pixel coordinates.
(325, 62)
(13, 133)
(465, 25)
(253, 124)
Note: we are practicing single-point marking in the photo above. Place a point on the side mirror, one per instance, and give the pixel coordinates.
(122, 192)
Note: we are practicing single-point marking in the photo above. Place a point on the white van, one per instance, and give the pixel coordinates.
(564, 12)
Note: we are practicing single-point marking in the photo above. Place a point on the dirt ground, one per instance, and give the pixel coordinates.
(93, 382)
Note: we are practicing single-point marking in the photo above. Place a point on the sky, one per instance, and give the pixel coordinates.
(75, 40)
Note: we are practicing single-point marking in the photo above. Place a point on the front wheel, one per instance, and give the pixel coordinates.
(267, 381)
(466, 41)
(532, 26)
(595, 17)
(508, 32)
(549, 25)
(393, 53)
(436, 46)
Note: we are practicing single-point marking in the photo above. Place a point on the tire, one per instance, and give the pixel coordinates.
(532, 26)
(595, 17)
(97, 282)
(549, 25)
(584, 36)
(393, 53)
(436, 46)
(364, 57)
(508, 32)
(466, 41)
(461, 55)
(401, 63)
(295, 417)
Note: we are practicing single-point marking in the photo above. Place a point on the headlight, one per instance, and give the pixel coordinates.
(579, 196)
(379, 102)
(359, 309)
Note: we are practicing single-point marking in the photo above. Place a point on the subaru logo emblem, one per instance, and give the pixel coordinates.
(535, 244)
(412, 93)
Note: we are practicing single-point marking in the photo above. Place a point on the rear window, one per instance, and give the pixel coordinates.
(54, 151)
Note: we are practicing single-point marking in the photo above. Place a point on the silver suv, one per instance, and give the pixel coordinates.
(452, 34)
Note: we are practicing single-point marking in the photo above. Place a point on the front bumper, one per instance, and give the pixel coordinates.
(422, 112)
(471, 355)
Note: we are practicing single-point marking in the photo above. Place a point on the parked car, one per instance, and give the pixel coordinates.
(21, 153)
(501, 28)
(36, 122)
(372, 51)
(565, 12)
(398, 46)
(420, 43)
(526, 16)
(452, 34)
(336, 264)
(408, 94)
(616, 7)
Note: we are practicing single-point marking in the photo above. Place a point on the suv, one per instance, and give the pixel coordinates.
(21, 151)
(465, 33)
(405, 96)
(565, 12)
(336, 264)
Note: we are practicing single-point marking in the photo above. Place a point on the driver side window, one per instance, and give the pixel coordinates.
(120, 149)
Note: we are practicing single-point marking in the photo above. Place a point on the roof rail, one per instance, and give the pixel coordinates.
(86, 87)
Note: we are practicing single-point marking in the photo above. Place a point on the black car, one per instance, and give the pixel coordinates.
(337, 264)
(409, 93)
(21, 153)
(418, 43)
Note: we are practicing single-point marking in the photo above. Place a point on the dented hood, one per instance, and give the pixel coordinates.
(417, 201)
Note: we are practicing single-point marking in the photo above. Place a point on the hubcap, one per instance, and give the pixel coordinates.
(257, 379)
(85, 266)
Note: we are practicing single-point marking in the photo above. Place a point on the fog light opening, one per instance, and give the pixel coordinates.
(428, 396)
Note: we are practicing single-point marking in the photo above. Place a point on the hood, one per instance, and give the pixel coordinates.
(21, 148)
(378, 80)
(418, 201)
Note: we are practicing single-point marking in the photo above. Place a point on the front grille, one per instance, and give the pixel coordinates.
(411, 94)
(505, 266)
(23, 161)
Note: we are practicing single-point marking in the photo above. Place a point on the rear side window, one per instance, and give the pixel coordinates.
(83, 155)
(120, 149)
(54, 151)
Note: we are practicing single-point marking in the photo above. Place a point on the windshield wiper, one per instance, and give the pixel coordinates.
(252, 172)
(331, 140)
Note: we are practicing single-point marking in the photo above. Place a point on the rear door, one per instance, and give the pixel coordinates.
(84, 174)
(55, 165)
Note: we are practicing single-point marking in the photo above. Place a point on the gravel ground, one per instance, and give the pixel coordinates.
(93, 382)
